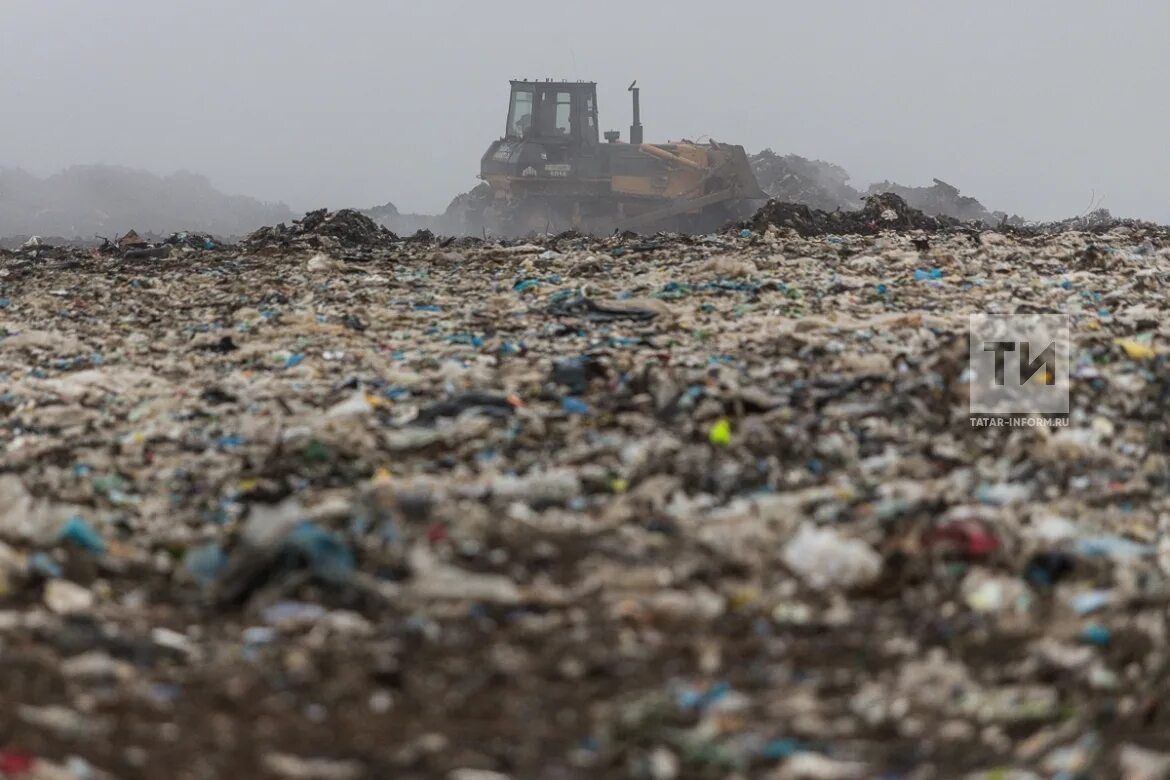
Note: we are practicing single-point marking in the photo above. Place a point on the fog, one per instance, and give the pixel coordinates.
(1037, 108)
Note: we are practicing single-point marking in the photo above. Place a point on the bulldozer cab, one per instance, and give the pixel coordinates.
(553, 112)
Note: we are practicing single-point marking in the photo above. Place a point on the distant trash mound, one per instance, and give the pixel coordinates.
(324, 230)
(942, 199)
(349, 227)
(1097, 222)
(822, 185)
(794, 179)
(884, 211)
(465, 214)
(388, 216)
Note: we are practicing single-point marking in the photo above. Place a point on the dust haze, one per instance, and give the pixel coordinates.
(1044, 109)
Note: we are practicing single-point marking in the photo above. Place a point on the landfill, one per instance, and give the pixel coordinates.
(330, 503)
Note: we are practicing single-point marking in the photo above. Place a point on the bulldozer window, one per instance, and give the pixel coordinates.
(520, 113)
(564, 112)
(554, 114)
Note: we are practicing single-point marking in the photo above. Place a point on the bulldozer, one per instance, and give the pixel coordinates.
(551, 171)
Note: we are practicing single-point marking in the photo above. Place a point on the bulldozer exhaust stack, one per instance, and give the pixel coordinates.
(636, 127)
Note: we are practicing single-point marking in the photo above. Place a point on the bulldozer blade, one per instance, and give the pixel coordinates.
(674, 209)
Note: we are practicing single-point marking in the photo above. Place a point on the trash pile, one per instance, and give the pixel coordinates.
(880, 212)
(813, 183)
(132, 246)
(34, 247)
(823, 186)
(943, 199)
(1098, 221)
(650, 507)
(388, 216)
(343, 230)
(30, 243)
(192, 240)
(464, 216)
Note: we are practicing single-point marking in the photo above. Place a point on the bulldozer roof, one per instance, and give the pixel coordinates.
(551, 83)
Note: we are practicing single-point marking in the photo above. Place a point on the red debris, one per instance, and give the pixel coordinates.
(966, 538)
(14, 764)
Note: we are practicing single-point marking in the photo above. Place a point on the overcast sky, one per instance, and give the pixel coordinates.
(1030, 106)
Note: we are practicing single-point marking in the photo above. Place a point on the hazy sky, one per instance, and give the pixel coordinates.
(1031, 106)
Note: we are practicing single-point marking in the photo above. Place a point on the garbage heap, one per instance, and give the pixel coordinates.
(464, 215)
(880, 212)
(1098, 222)
(346, 230)
(813, 183)
(648, 507)
(942, 199)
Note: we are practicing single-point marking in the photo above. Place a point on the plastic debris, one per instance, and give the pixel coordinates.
(572, 405)
(1136, 349)
(326, 503)
(77, 531)
(65, 597)
(1091, 601)
(825, 559)
(1096, 634)
(326, 554)
(206, 562)
(1112, 546)
(720, 433)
